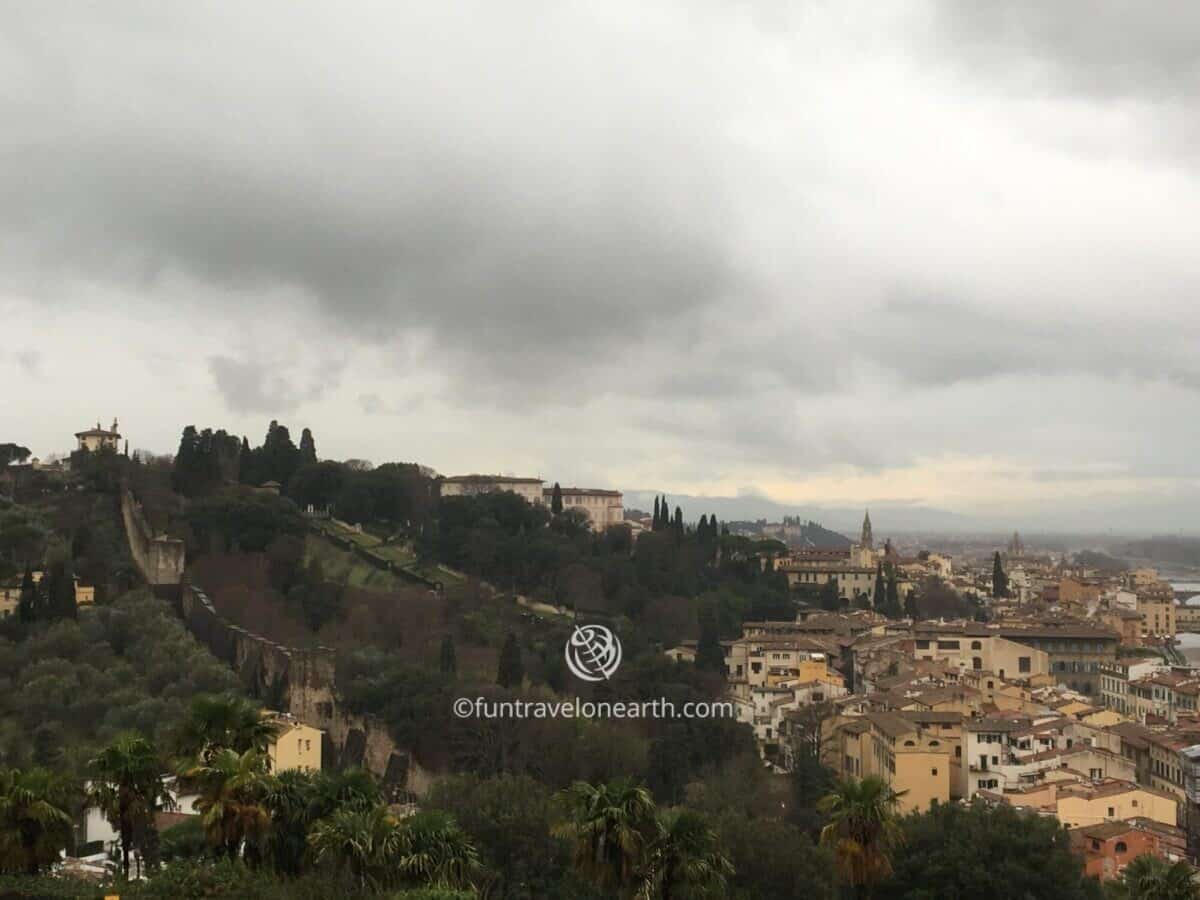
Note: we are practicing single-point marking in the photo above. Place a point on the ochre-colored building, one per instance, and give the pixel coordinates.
(297, 746)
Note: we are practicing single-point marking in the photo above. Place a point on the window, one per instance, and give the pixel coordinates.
(1111, 812)
(922, 645)
(933, 772)
(976, 662)
(947, 645)
(1120, 847)
(976, 645)
(1024, 664)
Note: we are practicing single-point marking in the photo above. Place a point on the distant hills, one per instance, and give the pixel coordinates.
(752, 507)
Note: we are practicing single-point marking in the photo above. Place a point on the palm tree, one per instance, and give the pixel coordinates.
(1150, 878)
(34, 822)
(863, 830)
(224, 721)
(610, 826)
(684, 859)
(296, 799)
(436, 852)
(232, 787)
(364, 842)
(127, 786)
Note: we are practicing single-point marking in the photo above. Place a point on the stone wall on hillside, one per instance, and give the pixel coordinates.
(301, 682)
(160, 559)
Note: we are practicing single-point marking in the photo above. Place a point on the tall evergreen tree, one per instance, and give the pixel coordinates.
(999, 578)
(511, 671)
(556, 501)
(58, 592)
(678, 522)
(702, 527)
(709, 655)
(656, 522)
(27, 604)
(893, 593)
(448, 659)
(879, 599)
(308, 447)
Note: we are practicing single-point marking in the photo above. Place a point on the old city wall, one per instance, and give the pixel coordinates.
(298, 681)
(160, 559)
(301, 682)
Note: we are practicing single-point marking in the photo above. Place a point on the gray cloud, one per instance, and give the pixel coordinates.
(707, 242)
(1099, 48)
(269, 388)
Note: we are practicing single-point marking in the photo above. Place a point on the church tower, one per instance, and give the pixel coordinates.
(866, 541)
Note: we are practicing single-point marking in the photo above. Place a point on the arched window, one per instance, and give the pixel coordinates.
(1121, 848)
(976, 645)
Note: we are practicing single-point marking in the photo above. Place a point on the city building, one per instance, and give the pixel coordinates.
(895, 748)
(297, 746)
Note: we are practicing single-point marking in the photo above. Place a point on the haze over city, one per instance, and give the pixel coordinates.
(933, 257)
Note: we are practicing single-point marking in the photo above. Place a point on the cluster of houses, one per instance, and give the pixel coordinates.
(1068, 702)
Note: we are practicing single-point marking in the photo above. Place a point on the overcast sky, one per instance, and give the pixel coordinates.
(839, 253)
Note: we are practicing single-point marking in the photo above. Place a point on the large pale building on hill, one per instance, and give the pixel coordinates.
(470, 485)
(604, 508)
(99, 439)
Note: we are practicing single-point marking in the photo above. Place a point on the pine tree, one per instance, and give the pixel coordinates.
(448, 659)
(678, 522)
(308, 447)
(879, 600)
(511, 671)
(702, 528)
(556, 501)
(656, 523)
(999, 578)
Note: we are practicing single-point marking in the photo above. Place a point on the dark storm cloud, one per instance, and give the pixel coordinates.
(523, 208)
(961, 342)
(1102, 48)
(265, 387)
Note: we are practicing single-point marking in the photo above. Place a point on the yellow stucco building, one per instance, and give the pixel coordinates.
(297, 746)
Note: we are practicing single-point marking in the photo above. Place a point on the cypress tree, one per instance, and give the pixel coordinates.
(511, 671)
(448, 659)
(656, 524)
(879, 600)
(678, 522)
(702, 528)
(308, 447)
(709, 655)
(999, 578)
(27, 604)
(893, 593)
(556, 503)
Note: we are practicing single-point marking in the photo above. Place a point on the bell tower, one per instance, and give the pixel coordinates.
(866, 540)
